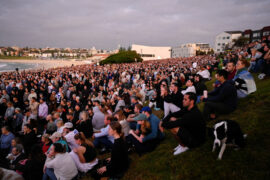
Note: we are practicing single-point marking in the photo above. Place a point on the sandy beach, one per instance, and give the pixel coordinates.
(46, 64)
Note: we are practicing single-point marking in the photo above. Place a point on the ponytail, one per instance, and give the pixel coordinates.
(115, 125)
(83, 139)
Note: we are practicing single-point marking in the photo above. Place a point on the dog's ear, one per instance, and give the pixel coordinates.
(210, 132)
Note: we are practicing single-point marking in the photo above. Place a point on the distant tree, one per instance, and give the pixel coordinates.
(241, 41)
(227, 47)
(211, 51)
(123, 57)
(122, 49)
(199, 52)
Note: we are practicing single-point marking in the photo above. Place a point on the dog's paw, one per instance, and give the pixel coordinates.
(245, 136)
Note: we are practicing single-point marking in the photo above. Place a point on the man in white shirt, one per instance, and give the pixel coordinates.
(69, 134)
(59, 164)
(204, 73)
(190, 87)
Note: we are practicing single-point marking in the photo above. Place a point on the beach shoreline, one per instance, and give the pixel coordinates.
(44, 64)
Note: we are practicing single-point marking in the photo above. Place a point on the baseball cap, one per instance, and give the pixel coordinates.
(68, 125)
(146, 109)
(140, 117)
(55, 135)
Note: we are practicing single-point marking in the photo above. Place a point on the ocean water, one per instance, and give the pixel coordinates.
(11, 66)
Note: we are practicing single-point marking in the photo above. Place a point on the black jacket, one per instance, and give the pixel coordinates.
(119, 158)
(176, 99)
(191, 120)
(226, 93)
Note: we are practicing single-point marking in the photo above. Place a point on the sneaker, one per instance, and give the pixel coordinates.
(177, 147)
(180, 150)
(261, 76)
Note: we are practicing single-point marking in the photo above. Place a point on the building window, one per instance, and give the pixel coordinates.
(223, 44)
(147, 55)
(266, 33)
(218, 44)
(223, 37)
(246, 35)
(228, 37)
(256, 34)
(217, 49)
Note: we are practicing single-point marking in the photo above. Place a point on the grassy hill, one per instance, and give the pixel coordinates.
(252, 162)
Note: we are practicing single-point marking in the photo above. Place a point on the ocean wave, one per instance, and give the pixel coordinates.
(3, 65)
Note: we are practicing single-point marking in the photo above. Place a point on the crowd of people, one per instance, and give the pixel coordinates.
(55, 122)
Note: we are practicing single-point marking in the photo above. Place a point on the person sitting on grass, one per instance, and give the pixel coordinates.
(56, 137)
(115, 166)
(84, 156)
(145, 129)
(103, 137)
(186, 125)
(221, 100)
(244, 81)
(190, 87)
(146, 143)
(59, 164)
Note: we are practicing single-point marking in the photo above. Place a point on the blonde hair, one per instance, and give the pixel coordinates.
(84, 116)
(121, 115)
(145, 127)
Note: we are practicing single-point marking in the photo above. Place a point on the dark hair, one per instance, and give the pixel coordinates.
(115, 125)
(199, 76)
(59, 148)
(191, 80)
(28, 126)
(139, 106)
(110, 118)
(175, 84)
(192, 96)
(223, 73)
(245, 62)
(7, 128)
(231, 62)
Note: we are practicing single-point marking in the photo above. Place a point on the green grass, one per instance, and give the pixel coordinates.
(251, 162)
(16, 57)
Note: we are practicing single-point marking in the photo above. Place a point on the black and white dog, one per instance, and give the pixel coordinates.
(227, 132)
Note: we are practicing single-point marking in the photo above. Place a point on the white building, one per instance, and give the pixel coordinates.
(225, 38)
(184, 50)
(151, 52)
(46, 55)
(189, 50)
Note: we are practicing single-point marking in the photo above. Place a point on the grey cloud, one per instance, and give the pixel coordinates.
(107, 23)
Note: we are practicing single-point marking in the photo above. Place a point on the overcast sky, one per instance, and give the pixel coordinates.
(107, 23)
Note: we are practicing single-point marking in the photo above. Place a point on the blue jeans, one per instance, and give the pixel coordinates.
(49, 173)
(259, 65)
(103, 141)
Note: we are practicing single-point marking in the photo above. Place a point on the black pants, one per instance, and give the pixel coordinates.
(98, 176)
(215, 107)
(141, 148)
(187, 139)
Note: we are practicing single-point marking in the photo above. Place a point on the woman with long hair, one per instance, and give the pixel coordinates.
(85, 124)
(243, 79)
(115, 166)
(84, 156)
(122, 120)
